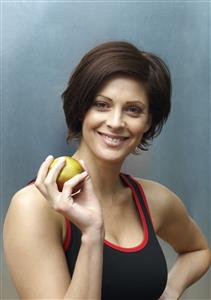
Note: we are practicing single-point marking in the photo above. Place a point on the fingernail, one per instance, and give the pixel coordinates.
(49, 157)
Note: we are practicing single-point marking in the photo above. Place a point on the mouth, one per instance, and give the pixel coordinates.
(112, 140)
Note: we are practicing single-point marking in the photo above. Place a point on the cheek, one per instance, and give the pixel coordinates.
(88, 120)
(94, 119)
(91, 121)
(139, 127)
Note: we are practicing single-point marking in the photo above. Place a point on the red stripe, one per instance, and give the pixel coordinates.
(123, 249)
(68, 235)
(145, 240)
(31, 182)
(143, 196)
(68, 229)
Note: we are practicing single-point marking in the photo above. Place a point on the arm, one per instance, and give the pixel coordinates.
(35, 257)
(33, 239)
(87, 278)
(181, 232)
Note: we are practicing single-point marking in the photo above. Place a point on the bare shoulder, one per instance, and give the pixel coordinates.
(29, 204)
(33, 233)
(160, 200)
(170, 217)
(31, 217)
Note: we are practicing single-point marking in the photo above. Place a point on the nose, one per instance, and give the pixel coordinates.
(115, 119)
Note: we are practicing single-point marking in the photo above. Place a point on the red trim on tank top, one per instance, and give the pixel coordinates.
(68, 227)
(68, 235)
(141, 213)
(143, 196)
(145, 240)
(31, 182)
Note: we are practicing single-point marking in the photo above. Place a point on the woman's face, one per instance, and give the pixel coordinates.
(117, 120)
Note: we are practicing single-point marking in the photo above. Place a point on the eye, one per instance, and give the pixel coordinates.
(136, 110)
(101, 105)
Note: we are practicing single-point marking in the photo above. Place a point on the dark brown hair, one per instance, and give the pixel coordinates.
(117, 57)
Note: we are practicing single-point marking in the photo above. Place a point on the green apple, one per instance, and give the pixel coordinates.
(71, 168)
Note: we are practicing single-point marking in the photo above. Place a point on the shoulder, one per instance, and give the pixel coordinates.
(33, 247)
(159, 196)
(161, 201)
(170, 215)
(30, 212)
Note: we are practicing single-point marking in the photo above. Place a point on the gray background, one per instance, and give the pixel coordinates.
(41, 42)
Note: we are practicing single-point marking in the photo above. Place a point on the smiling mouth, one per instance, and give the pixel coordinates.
(112, 140)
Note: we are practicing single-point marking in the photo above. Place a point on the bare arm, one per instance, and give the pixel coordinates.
(182, 233)
(87, 278)
(34, 252)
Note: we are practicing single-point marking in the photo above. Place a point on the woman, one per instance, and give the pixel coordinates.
(101, 243)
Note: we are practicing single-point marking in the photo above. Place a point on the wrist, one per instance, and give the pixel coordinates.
(172, 293)
(93, 234)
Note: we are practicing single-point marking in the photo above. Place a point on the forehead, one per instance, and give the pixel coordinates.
(123, 87)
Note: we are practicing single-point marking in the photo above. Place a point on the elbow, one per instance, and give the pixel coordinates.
(203, 256)
(206, 254)
(206, 258)
(209, 256)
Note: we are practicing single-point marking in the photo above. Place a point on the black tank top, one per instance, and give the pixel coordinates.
(138, 273)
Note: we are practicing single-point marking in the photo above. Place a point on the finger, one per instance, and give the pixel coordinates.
(71, 183)
(55, 170)
(43, 170)
(75, 193)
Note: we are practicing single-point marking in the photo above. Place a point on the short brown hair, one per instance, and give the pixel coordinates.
(117, 57)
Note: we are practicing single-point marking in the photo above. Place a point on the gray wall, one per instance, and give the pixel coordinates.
(43, 41)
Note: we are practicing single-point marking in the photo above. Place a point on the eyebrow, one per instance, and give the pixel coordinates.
(128, 102)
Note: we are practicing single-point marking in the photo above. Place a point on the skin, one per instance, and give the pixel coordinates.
(36, 213)
(112, 114)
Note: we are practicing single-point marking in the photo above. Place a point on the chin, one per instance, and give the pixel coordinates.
(111, 155)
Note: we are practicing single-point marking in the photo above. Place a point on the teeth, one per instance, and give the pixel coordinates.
(112, 140)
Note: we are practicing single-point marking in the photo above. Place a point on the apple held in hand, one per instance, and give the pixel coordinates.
(71, 168)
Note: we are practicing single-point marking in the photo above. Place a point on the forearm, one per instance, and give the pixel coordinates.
(188, 268)
(86, 282)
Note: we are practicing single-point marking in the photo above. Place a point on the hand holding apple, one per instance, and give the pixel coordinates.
(71, 168)
(81, 207)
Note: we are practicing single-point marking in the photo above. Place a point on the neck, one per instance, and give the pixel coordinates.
(104, 174)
